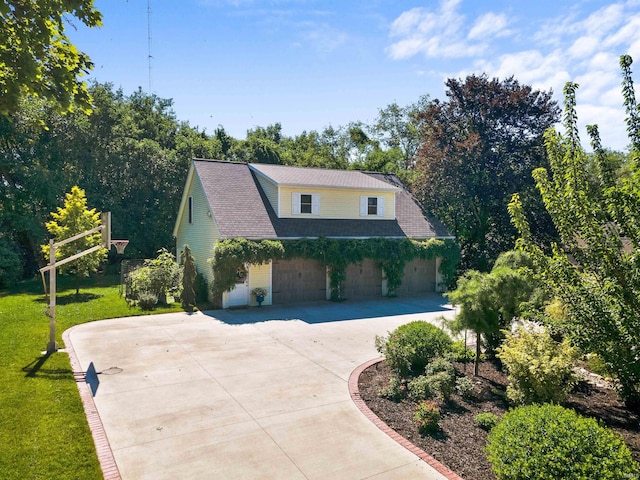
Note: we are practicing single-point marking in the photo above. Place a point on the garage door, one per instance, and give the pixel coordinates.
(419, 278)
(298, 280)
(363, 280)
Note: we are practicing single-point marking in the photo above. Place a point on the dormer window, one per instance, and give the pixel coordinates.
(305, 203)
(371, 206)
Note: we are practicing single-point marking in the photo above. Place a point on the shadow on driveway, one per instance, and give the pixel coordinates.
(322, 312)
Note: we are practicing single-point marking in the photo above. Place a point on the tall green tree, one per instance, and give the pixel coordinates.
(36, 56)
(479, 147)
(132, 155)
(262, 145)
(594, 270)
(74, 218)
(36, 164)
(399, 128)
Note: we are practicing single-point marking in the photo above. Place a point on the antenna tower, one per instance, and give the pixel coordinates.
(149, 57)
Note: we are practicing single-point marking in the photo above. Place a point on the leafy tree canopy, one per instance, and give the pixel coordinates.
(37, 58)
(479, 147)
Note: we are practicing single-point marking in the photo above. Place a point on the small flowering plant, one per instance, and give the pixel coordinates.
(427, 416)
(395, 389)
(259, 292)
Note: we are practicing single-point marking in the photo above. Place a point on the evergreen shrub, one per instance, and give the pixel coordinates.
(420, 388)
(410, 347)
(540, 369)
(464, 387)
(542, 442)
(487, 420)
(147, 300)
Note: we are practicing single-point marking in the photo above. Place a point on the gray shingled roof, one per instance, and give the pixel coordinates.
(241, 209)
(320, 178)
(235, 200)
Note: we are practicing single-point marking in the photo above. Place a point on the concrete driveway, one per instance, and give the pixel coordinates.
(259, 393)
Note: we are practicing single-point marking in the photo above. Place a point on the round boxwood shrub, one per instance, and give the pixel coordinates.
(410, 347)
(487, 420)
(539, 442)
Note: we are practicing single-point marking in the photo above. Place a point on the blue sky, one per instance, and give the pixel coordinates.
(309, 64)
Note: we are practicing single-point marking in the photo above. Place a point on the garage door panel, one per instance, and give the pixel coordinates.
(419, 277)
(298, 280)
(364, 280)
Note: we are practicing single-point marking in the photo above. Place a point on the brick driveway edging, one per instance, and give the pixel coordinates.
(357, 399)
(103, 449)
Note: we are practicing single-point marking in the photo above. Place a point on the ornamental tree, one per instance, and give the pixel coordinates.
(489, 301)
(71, 220)
(595, 268)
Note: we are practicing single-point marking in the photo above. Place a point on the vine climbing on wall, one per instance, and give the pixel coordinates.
(391, 254)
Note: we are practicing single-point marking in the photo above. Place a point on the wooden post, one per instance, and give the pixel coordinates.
(52, 347)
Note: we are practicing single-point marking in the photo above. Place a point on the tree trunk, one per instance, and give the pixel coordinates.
(476, 363)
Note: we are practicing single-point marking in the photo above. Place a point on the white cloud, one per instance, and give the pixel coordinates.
(579, 45)
(610, 123)
(488, 25)
(323, 38)
(440, 33)
(604, 20)
(629, 32)
(584, 46)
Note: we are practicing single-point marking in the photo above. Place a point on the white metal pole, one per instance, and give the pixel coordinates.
(52, 347)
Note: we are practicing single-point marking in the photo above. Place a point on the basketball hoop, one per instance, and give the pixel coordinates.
(120, 245)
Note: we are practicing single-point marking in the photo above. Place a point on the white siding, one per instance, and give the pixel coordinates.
(202, 233)
(271, 190)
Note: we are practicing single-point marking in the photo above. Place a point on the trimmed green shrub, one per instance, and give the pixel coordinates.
(460, 353)
(442, 384)
(395, 389)
(487, 420)
(410, 347)
(464, 387)
(427, 416)
(420, 388)
(540, 369)
(160, 276)
(438, 365)
(595, 364)
(543, 442)
(10, 264)
(147, 300)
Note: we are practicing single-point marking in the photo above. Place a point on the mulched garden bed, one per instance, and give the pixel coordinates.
(460, 442)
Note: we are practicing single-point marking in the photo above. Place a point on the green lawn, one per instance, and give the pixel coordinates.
(43, 430)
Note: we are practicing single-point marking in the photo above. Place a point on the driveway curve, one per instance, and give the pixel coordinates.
(260, 393)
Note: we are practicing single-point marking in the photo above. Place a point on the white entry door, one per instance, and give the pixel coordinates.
(239, 296)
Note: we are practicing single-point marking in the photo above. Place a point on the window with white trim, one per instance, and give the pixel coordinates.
(305, 203)
(371, 206)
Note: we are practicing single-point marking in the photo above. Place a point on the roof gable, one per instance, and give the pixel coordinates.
(236, 202)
